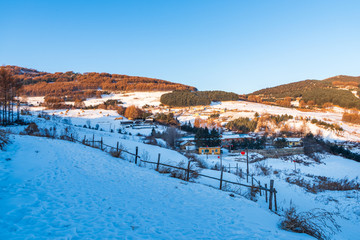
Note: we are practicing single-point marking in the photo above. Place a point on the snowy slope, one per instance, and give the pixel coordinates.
(228, 110)
(56, 189)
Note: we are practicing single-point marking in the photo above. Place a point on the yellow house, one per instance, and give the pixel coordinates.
(210, 150)
(294, 142)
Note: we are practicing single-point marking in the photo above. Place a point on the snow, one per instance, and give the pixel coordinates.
(52, 189)
(331, 166)
(344, 202)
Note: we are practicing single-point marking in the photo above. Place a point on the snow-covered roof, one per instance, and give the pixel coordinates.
(293, 139)
(234, 136)
(187, 138)
(184, 143)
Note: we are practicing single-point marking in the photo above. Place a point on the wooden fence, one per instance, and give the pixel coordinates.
(269, 193)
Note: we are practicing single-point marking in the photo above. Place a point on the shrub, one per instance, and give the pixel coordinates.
(32, 129)
(351, 118)
(4, 139)
(318, 223)
(115, 153)
(265, 170)
(321, 183)
(133, 112)
(280, 143)
(180, 173)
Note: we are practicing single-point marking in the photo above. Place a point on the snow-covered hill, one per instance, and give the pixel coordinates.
(52, 189)
(227, 110)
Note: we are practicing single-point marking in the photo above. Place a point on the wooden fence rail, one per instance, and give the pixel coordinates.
(271, 191)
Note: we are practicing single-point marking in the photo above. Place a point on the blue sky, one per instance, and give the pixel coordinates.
(238, 46)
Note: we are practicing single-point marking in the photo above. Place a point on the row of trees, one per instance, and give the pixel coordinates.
(168, 119)
(206, 138)
(242, 125)
(9, 87)
(187, 98)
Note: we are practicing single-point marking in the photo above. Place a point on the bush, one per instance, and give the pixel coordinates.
(168, 119)
(317, 223)
(4, 139)
(115, 153)
(321, 183)
(264, 170)
(280, 143)
(334, 127)
(351, 118)
(180, 173)
(133, 112)
(32, 129)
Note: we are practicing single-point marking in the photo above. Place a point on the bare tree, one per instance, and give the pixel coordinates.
(9, 87)
(170, 136)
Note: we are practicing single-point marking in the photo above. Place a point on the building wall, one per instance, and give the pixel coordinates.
(210, 150)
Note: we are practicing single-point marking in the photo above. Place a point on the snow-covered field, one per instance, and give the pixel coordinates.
(52, 189)
(345, 203)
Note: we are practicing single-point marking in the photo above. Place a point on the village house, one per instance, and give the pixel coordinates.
(294, 142)
(210, 150)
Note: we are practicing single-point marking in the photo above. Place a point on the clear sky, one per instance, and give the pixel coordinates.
(238, 46)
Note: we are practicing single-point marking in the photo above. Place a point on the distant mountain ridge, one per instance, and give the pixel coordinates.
(37, 83)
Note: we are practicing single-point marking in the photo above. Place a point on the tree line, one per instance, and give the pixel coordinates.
(9, 89)
(188, 98)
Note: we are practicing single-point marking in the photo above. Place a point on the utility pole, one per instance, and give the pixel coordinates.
(247, 164)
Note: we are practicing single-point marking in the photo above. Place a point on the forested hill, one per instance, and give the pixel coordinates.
(297, 89)
(38, 83)
(340, 90)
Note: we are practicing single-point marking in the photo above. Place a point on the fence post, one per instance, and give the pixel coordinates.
(71, 137)
(136, 154)
(117, 147)
(237, 168)
(158, 163)
(101, 143)
(93, 140)
(188, 171)
(252, 180)
(275, 200)
(271, 193)
(229, 168)
(259, 188)
(266, 198)
(84, 141)
(221, 178)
